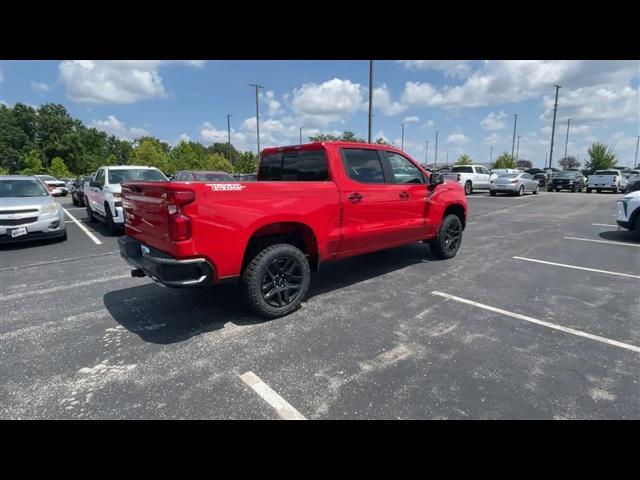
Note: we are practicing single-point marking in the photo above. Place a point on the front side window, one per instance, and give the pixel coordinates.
(482, 170)
(362, 165)
(403, 170)
(295, 166)
(100, 177)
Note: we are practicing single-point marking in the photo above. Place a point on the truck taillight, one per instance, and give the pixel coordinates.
(179, 223)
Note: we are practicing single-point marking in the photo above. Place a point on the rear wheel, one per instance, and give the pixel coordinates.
(588, 190)
(598, 190)
(557, 189)
(468, 188)
(276, 280)
(90, 216)
(636, 226)
(521, 191)
(492, 193)
(448, 239)
(535, 192)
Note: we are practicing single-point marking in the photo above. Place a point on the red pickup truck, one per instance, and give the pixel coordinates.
(312, 203)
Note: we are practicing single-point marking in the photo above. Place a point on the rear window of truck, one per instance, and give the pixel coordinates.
(296, 166)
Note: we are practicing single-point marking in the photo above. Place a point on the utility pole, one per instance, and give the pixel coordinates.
(518, 150)
(566, 143)
(513, 143)
(490, 158)
(553, 127)
(426, 154)
(257, 115)
(402, 144)
(436, 161)
(370, 97)
(300, 135)
(229, 133)
(635, 163)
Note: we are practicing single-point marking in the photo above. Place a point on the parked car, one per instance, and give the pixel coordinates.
(28, 211)
(628, 212)
(470, 176)
(567, 180)
(514, 184)
(77, 190)
(312, 203)
(632, 176)
(102, 194)
(56, 187)
(202, 176)
(611, 180)
(541, 178)
(633, 185)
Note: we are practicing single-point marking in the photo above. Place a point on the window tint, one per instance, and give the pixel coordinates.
(607, 172)
(22, 188)
(309, 166)
(362, 165)
(100, 177)
(462, 169)
(403, 170)
(142, 174)
(482, 170)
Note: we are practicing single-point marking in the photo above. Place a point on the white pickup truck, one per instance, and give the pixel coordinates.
(471, 177)
(102, 194)
(606, 180)
(628, 215)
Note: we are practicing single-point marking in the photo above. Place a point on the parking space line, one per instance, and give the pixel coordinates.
(63, 260)
(279, 404)
(63, 287)
(553, 326)
(603, 241)
(577, 268)
(83, 228)
(603, 225)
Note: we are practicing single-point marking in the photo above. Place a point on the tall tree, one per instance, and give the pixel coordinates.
(59, 169)
(464, 159)
(504, 161)
(32, 163)
(569, 162)
(150, 152)
(189, 156)
(601, 157)
(247, 163)
(215, 161)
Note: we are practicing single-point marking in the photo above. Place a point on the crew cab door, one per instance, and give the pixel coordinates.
(95, 193)
(483, 177)
(377, 211)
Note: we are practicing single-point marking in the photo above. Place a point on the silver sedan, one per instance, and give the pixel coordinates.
(28, 211)
(514, 184)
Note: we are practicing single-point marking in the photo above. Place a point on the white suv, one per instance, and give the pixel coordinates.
(102, 194)
(629, 212)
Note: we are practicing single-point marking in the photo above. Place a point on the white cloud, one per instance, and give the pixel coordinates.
(419, 94)
(595, 103)
(118, 81)
(273, 105)
(112, 126)
(331, 101)
(40, 87)
(382, 100)
(494, 121)
(450, 68)
(430, 123)
(457, 139)
(184, 138)
(411, 119)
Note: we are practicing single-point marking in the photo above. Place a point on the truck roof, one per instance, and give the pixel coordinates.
(337, 143)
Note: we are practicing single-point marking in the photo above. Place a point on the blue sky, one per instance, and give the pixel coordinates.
(471, 104)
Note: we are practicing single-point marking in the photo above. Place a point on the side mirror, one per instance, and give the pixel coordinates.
(436, 179)
(94, 184)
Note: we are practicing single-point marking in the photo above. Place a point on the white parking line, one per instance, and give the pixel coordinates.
(63, 287)
(604, 225)
(604, 241)
(572, 331)
(577, 268)
(83, 228)
(280, 405)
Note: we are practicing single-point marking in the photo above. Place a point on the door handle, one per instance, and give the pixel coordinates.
(404, 195)
(355, 197)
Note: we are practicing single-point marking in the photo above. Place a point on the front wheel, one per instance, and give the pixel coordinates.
(111, 226)
(588, 190)
(276, 280)
(90, 216)
(447, 241)
(492, 193)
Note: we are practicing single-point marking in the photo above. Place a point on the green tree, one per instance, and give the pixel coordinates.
(601, 157)
(59, 169)
(464, 159)
(32, 163)
(150, 152)
(189, 156)
(348, 136)
(4, 171)
(247, 163)
(323, 137)
(569, 162)
(504, 161)
(215, 161)
(223, 149)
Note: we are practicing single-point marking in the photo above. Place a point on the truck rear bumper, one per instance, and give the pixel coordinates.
(162, 268)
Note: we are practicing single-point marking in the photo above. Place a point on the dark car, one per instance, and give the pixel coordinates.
(541, 178)
(202, 176)
(567, 180)
(77, 190)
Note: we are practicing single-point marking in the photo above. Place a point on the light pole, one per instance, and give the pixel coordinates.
(426, 154)
(553, 127)
(436, 157)
(490, 158)
(447, 164)
(370, 98)
(513, 143)
(518, 150)
(229, 134)
(257, 115)
(402, 142)
(566, 143)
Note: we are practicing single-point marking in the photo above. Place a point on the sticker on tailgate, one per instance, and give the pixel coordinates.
(216, 187)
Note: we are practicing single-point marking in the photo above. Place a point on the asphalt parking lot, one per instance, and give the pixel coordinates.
(538, 317)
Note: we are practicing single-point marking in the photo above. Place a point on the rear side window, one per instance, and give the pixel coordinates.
(307, 166)
(462, 169)
(362, 165)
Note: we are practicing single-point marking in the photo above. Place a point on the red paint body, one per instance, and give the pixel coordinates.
(223, 222)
